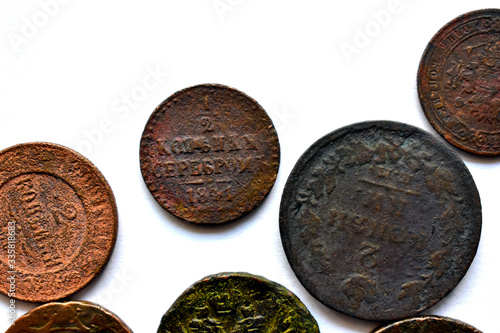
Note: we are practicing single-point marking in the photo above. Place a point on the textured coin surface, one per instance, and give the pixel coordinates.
(209, 154)
(81, 317)
(459, 82)
(380, 220)
(237, 302)
(58, 222)
(427, 324)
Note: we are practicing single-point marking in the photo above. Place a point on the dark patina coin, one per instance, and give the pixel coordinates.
(237, 302)
(209, 154)
(78, 317)
(58, 222)
(380, 220)
(427, 324)
(459, 82)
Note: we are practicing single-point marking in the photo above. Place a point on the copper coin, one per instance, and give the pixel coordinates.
(459, 82)
(237, 302)
(58, 222)
(209, 154)
(81, 317)
(380, 220)
(428, 324)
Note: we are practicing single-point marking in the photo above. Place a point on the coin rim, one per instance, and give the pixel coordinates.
(95, 306)
(387, 328)
(276, 162)
(278, 288)
(423, 90)
(312, 151)
(114, 219)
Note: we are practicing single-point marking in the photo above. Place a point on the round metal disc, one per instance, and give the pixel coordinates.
(237, 302)
(81, 317)
(459, 82)
(209, 154)
(427, 324)
(58, 222)
(380, 220)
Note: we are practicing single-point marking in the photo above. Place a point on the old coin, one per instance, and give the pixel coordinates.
(380, 220)
(459, 82)
(81, 317)
(209, 154)
(427, 324)
(237, 302)
(58, 222)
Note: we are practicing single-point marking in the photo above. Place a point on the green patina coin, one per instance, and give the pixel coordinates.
(237, 303)
(427, 324)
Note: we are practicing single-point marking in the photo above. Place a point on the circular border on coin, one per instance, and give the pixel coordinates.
(422, 324)
(58, 215)
(380, 220)
(238, 302)
(72, 316)
(459, 82)
(209, 154)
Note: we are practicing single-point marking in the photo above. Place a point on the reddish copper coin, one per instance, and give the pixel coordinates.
(58, 222)
(209, 154)
(459, 82)
(427, 324)
(81, 317)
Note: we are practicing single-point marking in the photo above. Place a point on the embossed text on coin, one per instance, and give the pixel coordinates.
(380, 220)
(58, 222)
(209, 154)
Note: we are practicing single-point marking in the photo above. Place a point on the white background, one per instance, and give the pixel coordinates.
(68, 67)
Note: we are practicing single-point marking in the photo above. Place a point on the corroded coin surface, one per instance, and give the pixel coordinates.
(237, 302)
(459, 82)
(380, 220)
(209, 154)
(79, 317)
(58, 222)
(427, 324)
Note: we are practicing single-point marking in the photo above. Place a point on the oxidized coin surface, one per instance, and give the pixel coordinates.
(427, 324)
(79, 317)
(209, 154)
(459, 82)
(380, 220)
(58, 222)
(237, 302)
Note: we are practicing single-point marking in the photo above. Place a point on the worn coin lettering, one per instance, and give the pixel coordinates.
(60, 211)
(459, 82)
(209, 154)
(379, 220)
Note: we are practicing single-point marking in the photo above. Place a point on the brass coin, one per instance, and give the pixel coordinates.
(380, 220)
(79, 317)
(209, 154)
(427, 324)
(237, 302)
(58, 222)
(459, 82)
